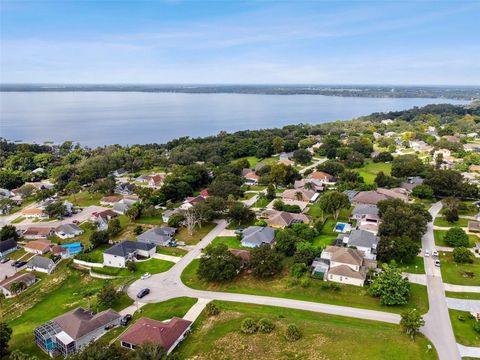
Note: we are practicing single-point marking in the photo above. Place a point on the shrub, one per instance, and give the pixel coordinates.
(249, 326)
(305, 283)
(461, 318)
(293, 281)
(451, 215)
(212, 309)
(476, 326)
(462, 255)
(265, 326)
(298, 270)
(456, 237)
(138, 230)
(293, 333)
(131, 266)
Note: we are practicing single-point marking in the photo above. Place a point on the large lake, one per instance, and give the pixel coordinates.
(99, 118)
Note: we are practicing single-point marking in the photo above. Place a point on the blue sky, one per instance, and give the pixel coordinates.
(241, 42)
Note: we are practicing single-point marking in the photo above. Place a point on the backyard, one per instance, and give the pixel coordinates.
(152, 266)
(283, 287)
(84, 199)
(462, 323)
(324, 337)
(439, 236)
(197, 235)
(231, 241)
(370, 170)
(459, 274)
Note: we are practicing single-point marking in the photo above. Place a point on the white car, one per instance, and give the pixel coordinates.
(426, 253)
(437, 263)
(145, 276)
(435, 253)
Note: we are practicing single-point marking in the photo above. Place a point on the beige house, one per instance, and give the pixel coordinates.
(282, 219)
(39, 247)
(300, 195)
(33, 213)
(321, 177)
(373, 197)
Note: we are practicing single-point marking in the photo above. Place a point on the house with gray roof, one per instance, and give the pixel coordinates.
(361, 210)
(161, 236)
(69, 333)
(362, 240)
(41, 264)
(66, 231)
(254, 236)
(7, 246)
(128, 250)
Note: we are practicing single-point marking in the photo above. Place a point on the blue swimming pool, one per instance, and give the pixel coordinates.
(340, 226)
(73, 248)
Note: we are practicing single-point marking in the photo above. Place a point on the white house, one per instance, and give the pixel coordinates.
(121, 253)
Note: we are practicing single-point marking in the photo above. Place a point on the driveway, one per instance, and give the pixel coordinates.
(463, 304)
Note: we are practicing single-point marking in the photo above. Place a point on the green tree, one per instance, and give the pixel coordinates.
(150, 351)
(211, 309)
(55, 210)
(422, 191)
(302, 156)
(462, 255)
(293, 333)
(98, 351)
(402, 249)
(411, 322)
(131, 266)
(265, 261)
(277, 144)
(218, 264)
(99, 238)
(8, 232)
(176, 220)
(305, 252)
(18, 355)
(334, 201)
(271, 192)
(456, 237)
(17, 287)
(390, 287)
(407, 165)
(138, 230)
(240, 214)
(5, 334)
(114, 227)
(107, 296)
(133, 213)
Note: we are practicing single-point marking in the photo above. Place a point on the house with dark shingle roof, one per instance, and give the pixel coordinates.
(68, 333)
(362, 240)
(5, 285)
(168, 334)
(128, 250)
(161, 236)
(41, 264)
(254, 236)
(8, 246)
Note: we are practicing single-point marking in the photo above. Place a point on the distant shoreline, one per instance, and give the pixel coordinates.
(468, 93)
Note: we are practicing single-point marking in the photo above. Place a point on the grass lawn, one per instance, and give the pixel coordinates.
(16, 254)
(249, 195)
(231, 241)
(440, 221)
(417, 267)
(198, 234)
(252, 160)
(462, 323)
(18, 220)
(271, 160)
(254, 187)
(152, 266)
(279, 286)
(262, 202)
(439, 236)
(471, 209)
(327, 236)
(324, 337)
(453, 273)
(54, 295)
(150, 220)
(94, 256)
(370, 170)
(235, 226)
(458, 295)
(84, 199)
(173, 251)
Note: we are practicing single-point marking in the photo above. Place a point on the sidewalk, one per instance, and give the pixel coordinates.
(463, 304)
(196, 310)
(469, 351)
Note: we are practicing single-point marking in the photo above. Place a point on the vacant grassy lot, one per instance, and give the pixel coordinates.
(171, 251)
(262, 202)
(150, 220)
(324, 337)
(462, 323)
(370, 170)
(84, 199)
(281, 286)
(152, 266)
(417, 267)
(231, 241)
(198, 234)
(439, 236)
(441, 221)
(459, 274)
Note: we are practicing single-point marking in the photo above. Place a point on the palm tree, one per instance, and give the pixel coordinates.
(299, 195)
(17, 287)
(149, 351)
(309, 185)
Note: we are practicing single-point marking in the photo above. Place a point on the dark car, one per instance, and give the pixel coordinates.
(125, 320)
(4, 260)
(19, 264)
(143, 292)
(14, 263)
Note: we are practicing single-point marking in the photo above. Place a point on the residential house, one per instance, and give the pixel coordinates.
(168, 213)
(204, 193)
(128, 250)
(41, 264)
(68, 231)
(411, 183)
(244, 256)
(322, 177)
(119, 172)
(41, 185)
(189, 202)
(362, 240)
(282, 219)
(286, 162)
(390, 134)
(359, 211)
(168, 334)
(8, 246)
(350, 194)
(254, 236)
(39, 247)
(346, 265)
(102, 218)
(373, 197)
(251, 178)
(387, 122)
(308, 185)
(124, 188)
(285, 156)
(110, 200)
(300, 195)
(6, 284)
(419, 145)
(33, 213)
(37, 232)
(161, 236)
(123, 205)
(370, 223)
(474, 226)
(452, 138)
(69, 333)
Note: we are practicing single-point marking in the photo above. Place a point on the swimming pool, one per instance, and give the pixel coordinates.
(342, 227)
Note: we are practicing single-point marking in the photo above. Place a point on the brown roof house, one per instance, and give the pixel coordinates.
(37, 232)
(110, 200)
(282, 219)
(67, 334)
(167, 334)
(322, 177)
(33, 213)
(5, 285)
(244, 255)
(474, 226)
(373, 197)
(300, 195)
(251, 178)
(39, 247)
(345, 265)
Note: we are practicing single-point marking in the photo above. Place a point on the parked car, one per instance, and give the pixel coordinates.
(125, 320)
(19, 264)
(4, 260)
(143, 293)
(426, 253)
(76, 222)
(435, 253)
(14, 263)
(437, 263)
(145, 276)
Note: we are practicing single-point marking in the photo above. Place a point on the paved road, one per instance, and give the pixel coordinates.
(314, 165)
(437, 321)
(463, 304)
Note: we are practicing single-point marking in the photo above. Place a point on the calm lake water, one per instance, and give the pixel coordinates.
(99, 118)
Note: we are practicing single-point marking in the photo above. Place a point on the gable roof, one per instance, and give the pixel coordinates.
(68, 229)
(42, 245)
(80, 322)
(373, 197)
(365, 209)
(38, 231)
(306, 195)
(258, 235)
(345, 255)
(347, 271)
(157, 234)
(127, 247)
(320, 175)
(163, 333)
(7, 244)
(27, 278)
(284, 218)
(362, 238)
(41, 262)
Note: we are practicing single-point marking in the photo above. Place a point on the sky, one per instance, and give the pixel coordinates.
(240, 42)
